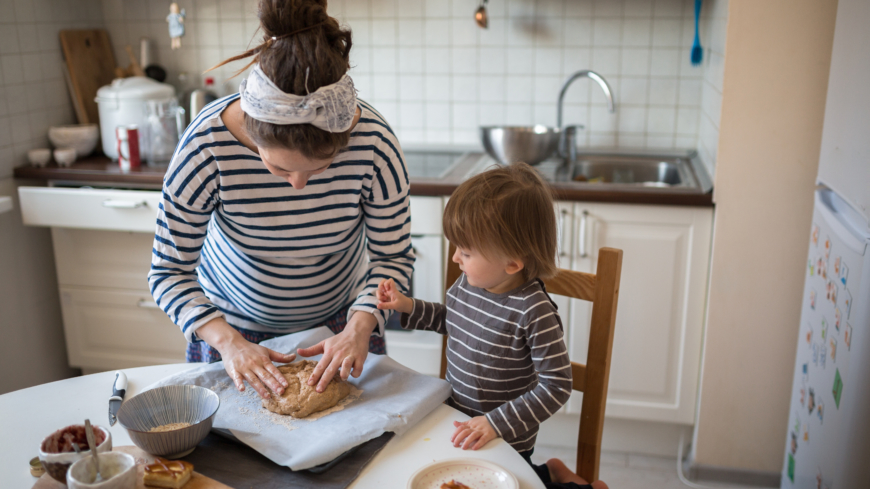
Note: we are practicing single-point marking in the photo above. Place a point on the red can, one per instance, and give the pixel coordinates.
(128, 146)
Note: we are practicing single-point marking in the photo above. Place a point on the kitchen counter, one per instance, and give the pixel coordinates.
(425, 181)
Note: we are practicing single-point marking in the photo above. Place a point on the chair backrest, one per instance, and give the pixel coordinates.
(591, 378)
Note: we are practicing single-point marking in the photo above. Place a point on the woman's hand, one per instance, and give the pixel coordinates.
(473, 434)
(245, 361)
(389, 297)
(344, 353)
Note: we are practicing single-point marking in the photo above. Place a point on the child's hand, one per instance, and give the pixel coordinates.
(473, 434)
(389, 297)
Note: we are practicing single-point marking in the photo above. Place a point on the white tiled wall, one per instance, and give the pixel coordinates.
(33, 92)
(716, 18)
(436, 76)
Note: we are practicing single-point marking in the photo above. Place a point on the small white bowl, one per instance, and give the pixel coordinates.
(82, 137)
(118, 470)
(39, 157)
(64, 156)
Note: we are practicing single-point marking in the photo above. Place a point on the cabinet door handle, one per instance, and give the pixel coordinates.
(147, 304)
(124, 204)
(563, 223)
(584, 222)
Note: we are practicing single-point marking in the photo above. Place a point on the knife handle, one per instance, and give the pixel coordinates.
(119, 388)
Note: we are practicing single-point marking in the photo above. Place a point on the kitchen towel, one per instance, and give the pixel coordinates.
(386, 397)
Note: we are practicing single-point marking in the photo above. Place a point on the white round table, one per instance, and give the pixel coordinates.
(29, 415)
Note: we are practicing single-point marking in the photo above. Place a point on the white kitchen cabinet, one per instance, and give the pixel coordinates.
(659, 320)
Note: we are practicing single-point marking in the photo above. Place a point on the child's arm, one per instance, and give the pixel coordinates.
(416, 314)
(550, 358)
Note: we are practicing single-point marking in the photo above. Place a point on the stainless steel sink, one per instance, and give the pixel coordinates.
(648, 171)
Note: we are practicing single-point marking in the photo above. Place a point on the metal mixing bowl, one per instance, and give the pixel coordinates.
(530, 144)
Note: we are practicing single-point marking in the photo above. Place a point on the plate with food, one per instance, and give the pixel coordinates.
(463, 473)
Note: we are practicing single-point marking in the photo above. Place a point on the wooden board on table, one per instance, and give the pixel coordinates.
(90, 63)
(197, 480)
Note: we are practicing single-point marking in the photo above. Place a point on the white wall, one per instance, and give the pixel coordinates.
(715, 17)
(436, 76)
(33, 96)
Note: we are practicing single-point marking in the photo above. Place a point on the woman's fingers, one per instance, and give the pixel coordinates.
(281, 357)
(346, 367)
(311, 350)
(358, 366)
(329, 373)
(272, 369)
(237, 379)
(256, 384)
(268, 376)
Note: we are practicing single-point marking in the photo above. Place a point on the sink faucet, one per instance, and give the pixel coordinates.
(567, 146)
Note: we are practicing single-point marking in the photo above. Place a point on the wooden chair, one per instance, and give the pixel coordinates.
(602, 289)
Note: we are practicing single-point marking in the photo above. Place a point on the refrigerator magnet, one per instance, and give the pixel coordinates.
(815, 235)
(810, 266)
(821, 268)
(837, 266)
(827, 247)
(811, 401)
(833, 346)
(823, 354)
(824, 329)
(803, 395)
(847, 336)
(837, 319)
(844, 273)
(813, 299)
(831, 291)
(847, 302)
(820, 410)
(838, 388)
(809, 336)
(791, 466)
(806, 436)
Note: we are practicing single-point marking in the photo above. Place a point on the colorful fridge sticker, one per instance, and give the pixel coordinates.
(812, 299)
(815, 235)
(811, 401)
(827, 247)
(837, 319)
(823, 354)
(831, 291)
(803, 394)
(791, 467)
(810, 266)
(806, 371)
(847, 302)
(809, 335)
(838, 388)
(824, 328)
(806, 436)
(833, 345)
(820, 410)
(847, 336)
(837, 266)
(844, 274)
(815, 355)
(821, 268)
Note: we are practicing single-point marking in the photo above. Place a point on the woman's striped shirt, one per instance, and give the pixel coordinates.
(234, 240)
(506, 355)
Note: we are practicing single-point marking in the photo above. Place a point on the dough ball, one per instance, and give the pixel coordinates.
(300, 399)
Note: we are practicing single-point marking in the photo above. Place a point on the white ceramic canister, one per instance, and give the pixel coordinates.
(122, 103)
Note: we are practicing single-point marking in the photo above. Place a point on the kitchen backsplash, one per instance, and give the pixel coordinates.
(429, 69)
(33, 93)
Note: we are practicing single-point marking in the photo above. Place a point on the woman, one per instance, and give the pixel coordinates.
(271, 203)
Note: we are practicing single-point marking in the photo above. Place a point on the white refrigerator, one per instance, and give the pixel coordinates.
(828, 439)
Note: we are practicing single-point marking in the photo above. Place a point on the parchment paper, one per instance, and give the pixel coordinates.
(386, 397)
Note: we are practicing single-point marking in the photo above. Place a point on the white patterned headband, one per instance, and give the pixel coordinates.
(330, 107)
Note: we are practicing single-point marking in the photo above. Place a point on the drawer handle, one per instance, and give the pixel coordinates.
(124, 204)
(147, 304)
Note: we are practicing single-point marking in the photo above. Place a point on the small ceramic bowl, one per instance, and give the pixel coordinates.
(57, 464)
(64, 156)
(168, 405)
(81, 137)
(39, 157)
(117, 469)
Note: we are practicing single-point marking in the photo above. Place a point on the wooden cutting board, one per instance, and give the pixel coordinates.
(197, 480)
(90, 63)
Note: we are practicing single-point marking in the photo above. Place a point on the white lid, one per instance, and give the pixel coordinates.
(136, 88)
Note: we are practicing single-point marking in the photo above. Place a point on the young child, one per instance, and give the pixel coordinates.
(506, 355)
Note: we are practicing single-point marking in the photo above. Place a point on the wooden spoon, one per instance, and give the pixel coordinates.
(89, 432)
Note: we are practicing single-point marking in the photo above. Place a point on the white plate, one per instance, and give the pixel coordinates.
(474, 473)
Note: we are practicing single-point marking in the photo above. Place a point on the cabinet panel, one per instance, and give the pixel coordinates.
(86, 208)
(659, 320)
(109, 329)
(107, 259)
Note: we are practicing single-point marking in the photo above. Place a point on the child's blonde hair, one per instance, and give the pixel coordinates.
(506, 212)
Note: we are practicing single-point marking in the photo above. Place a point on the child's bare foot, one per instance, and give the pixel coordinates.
(559, 472)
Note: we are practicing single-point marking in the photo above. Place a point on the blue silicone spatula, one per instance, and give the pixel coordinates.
(697, 50)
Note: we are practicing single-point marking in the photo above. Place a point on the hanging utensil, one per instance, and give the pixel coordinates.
(480, 15)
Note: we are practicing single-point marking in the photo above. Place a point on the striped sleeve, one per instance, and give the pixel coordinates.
(183, 215)
(387, 217)
(427, 316)
(543, 330)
